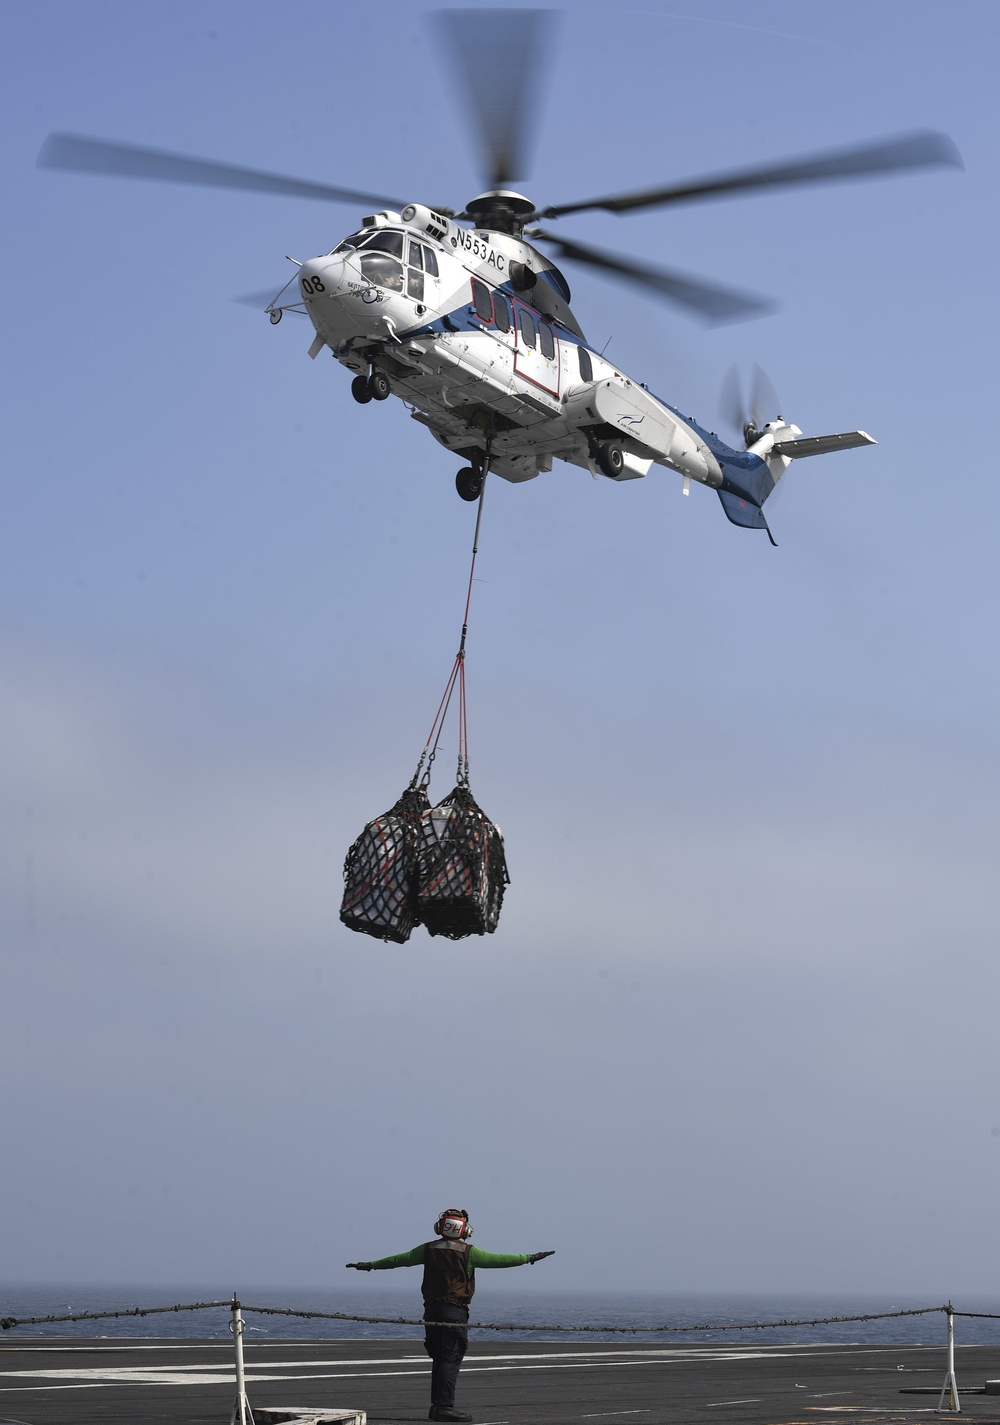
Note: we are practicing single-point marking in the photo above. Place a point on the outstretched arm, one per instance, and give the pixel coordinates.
(412, 1258)
(479, 1258)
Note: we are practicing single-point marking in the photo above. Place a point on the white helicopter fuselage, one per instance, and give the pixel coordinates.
(474, 332)
(471, 328)
(470, 325)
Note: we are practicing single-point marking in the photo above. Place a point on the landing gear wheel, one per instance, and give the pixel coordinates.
(275, 316)
(610, 459)
(378, 385)
(469, 483)
(360, 390)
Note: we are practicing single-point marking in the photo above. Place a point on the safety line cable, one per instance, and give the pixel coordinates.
(7, 1322)
(618, 1330)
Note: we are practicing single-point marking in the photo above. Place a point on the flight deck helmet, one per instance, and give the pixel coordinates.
(454, 1224)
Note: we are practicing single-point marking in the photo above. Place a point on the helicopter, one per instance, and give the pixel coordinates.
(465, 319)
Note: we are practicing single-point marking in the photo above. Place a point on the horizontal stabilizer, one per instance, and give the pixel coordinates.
(821, 444)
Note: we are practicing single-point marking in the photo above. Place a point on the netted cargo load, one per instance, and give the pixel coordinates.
(461, 871)
(380, 890)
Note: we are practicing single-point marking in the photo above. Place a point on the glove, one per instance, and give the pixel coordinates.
(361, 1266)
(537, 1256)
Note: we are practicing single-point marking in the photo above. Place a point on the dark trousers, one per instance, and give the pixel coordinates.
(446, 1346)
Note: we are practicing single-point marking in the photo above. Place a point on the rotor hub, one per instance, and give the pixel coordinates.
(501, 210)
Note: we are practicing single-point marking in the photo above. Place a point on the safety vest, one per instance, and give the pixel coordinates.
(447, 1275)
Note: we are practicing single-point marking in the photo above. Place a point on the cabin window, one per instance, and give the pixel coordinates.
(586, 365)
(430, 262)
(414, 284)
(546, 341)
(482, 300)
(386, 242)
(527, 324)
(379, 268)
(559, 282)
(416, 256)
(501, 312)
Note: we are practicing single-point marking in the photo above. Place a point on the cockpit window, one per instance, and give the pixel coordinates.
(416, 256)
(348, 243)
(430, 262)
(386, 241)
(379, 268)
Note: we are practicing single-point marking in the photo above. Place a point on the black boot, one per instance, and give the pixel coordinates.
(448, 1412)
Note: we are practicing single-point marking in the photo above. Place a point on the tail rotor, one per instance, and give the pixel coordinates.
(748, 416)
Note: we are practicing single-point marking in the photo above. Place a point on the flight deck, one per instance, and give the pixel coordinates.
(81, 1381)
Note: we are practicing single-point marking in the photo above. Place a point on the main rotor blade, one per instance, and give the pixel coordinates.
(85, 155)
(716, 304)
(917, 150)
(499, 55)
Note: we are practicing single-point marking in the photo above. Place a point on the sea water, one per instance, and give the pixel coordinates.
(708, 1313)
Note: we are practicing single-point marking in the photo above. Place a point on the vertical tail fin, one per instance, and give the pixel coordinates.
(745, 512)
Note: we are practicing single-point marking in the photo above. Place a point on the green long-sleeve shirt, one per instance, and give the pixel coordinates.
(450, 1268)
(476, 1258)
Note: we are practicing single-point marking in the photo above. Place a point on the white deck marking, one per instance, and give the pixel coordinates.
(591, 1415)
(602, 1414)
(314, 1370)
(748, 1400)
(221, 1372)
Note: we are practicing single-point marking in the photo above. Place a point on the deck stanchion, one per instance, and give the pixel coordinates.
(241, 1412)
(950, 1387)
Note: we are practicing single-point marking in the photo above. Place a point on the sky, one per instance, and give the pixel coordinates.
(739, 1012)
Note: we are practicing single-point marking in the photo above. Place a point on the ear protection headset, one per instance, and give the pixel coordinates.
(454, 1223)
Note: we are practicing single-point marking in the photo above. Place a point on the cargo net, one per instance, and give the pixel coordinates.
(461, 868)
(441, 866)
(379, 894)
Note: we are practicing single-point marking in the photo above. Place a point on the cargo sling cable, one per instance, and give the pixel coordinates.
(422, 775)
(442, 867)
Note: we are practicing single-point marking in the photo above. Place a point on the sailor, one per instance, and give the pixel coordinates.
(449, 1265)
